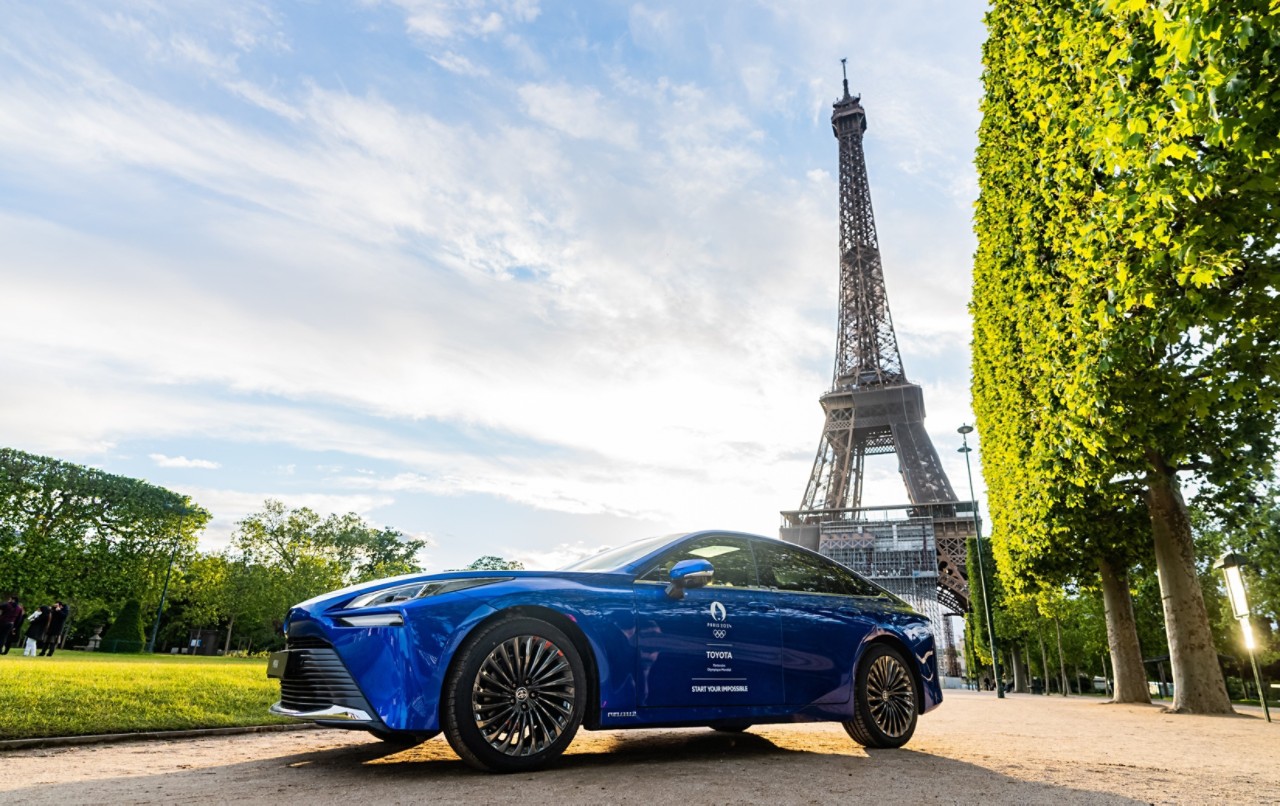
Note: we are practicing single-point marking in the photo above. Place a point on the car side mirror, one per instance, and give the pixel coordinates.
(688, 574)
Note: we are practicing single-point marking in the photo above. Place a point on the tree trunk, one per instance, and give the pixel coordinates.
(1122, 636)
(1019, 669)
(1044, 661)
(1028, 661)
(226, 647)
(1062, 663)
(1198, 687)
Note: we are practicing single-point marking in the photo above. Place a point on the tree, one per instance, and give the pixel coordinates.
(125, 633)
(1134, 241)
(91, 538)
(490, 562)
(1046, 533)
(281, 556)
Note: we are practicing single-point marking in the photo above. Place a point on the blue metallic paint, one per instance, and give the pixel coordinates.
(643, 645)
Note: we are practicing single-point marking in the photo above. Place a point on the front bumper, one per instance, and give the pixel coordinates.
(331, 713)
(317, 686)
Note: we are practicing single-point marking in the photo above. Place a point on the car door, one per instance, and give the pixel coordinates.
(718, 646)
(820, 604)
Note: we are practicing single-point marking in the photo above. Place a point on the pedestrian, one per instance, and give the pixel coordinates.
(10, 618)
(57, 621)
(36, 630)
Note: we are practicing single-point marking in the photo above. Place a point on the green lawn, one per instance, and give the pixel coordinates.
(77, 693)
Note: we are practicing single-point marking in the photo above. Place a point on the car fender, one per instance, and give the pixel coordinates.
(916, 642)
(607, 628)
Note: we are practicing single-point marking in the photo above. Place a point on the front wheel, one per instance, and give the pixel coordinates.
(885, 705)
(515, 697)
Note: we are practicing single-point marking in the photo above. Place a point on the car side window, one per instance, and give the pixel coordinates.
(730, 556)
(790, 569)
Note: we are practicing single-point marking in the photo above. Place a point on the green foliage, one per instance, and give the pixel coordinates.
(491, 562)
(76, 693)
(78, 534)
(1126, 327)
(281, 556)
(125, 633)
(1255, 535)
(1127, 262)
(97, 540)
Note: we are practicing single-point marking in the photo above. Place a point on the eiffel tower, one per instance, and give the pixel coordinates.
(872, 409)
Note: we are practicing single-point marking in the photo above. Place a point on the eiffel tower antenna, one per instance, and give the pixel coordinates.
(872, 409)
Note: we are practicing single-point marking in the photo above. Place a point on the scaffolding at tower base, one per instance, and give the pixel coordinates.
(900, 554)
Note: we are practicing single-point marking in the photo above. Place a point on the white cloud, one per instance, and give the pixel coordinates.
(555, 557)
(451, 19)
(263, 99)
(183, 462)
(611, 278)
(578, 112)
(229, 507)
(457, 63)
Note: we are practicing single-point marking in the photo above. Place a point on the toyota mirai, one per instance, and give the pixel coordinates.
(711, 628)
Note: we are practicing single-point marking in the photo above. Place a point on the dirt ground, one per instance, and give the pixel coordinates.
(973, 749)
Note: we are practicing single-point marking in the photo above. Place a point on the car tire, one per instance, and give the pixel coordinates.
(886, 701)
(515, 696)
(404, 738)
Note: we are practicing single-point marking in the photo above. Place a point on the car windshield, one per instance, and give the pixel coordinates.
(609, 559)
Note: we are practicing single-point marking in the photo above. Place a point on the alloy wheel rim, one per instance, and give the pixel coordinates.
(523, 695)
(890, 696)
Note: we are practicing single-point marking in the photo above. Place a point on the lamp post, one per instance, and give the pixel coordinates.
(965, 431)
(1231, 563)
(155, 628)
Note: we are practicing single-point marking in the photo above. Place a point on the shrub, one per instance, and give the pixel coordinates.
(125, 633)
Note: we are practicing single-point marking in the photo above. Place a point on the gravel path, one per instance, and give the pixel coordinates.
(974, 749)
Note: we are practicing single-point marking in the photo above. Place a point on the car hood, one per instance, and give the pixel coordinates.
(327, 600)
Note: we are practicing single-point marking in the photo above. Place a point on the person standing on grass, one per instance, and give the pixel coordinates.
(36, 630)
(10, 618)
(57, 621)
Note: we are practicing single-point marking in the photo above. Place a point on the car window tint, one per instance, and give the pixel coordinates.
(730, 556)
(790, 569)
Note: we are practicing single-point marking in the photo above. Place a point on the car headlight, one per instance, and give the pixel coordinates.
(418, 590)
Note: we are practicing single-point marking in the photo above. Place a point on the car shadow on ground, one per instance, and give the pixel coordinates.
(691, 765)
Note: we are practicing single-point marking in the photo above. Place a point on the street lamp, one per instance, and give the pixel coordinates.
(1231, 563)
(965, 431)
(155, 628)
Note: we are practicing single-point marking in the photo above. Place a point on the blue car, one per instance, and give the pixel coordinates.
(720, 629)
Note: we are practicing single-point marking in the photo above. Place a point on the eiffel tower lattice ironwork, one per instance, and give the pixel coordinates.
(873, 409)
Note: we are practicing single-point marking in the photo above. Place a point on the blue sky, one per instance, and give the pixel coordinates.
(520, 278)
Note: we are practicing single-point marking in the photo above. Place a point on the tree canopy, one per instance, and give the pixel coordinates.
(1125, 316)
(280, 556)
(76, 532)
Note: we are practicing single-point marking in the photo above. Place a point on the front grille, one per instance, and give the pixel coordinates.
(315, 679)
(307, 642)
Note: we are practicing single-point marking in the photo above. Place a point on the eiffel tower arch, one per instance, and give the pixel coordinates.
(915, 549)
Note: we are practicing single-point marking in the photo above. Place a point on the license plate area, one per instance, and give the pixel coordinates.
(278, 664)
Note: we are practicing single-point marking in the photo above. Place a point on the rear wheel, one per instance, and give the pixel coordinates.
(885, 703)
(515, 697)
